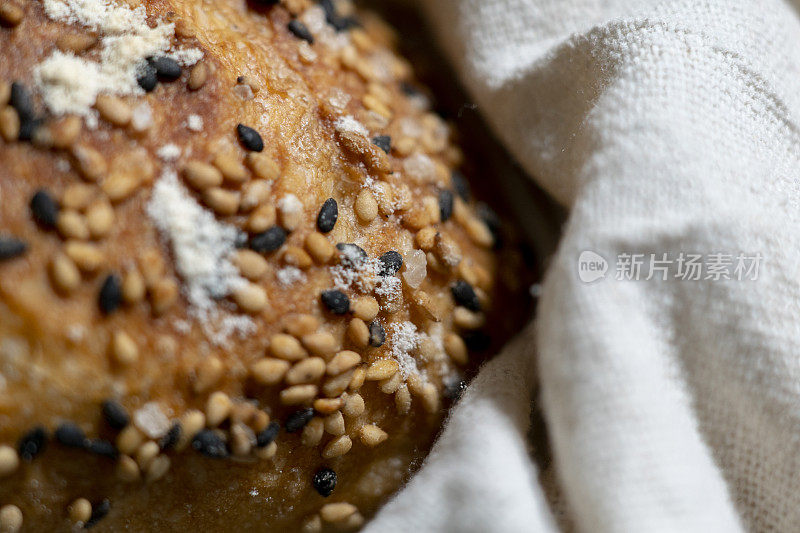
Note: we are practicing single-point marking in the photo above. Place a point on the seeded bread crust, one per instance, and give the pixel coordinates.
(91, 308)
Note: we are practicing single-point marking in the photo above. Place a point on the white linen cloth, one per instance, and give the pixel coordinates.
(664, 127)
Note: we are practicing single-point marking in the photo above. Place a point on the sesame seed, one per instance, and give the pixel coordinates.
(319, 247)
(324, 481)
(201, 175)
(218, 408)
(157, 468)
(358, 332)
(130, 438)
(209, 444)
(337, 512)
(44, 208)
(297, 420)
(10, 519)
(460, 185)
(32, 443)
(332, 17)
(445, 204)
(306, 371)
(114, 109)
(171, 438)
(382, 369)
(384, 142)
(391, 263)
(334, 424)
(455, 389)
(80, 510)
(313, 433)
(372, 435)
(320, 343)
(115, 414)
(269, 240)
(328, 215)
(9, 124)
(268, 435)
(208, 373)
(22, 101)
(351, 254)
(11, 247)
(231, 167)
(103, 448)
(148, 79)
(354, 405)
(335, 301)
(390, 385)
(167, 69)
(366, 207)
(466, 319)
(99, 511)
(337, 447)
(75, 42)
(145, 454)
(250, 138)
(286, 347)
(377, 335)
(9, 460)
(301, 31)
(10, 14)
(110, 296)
(198, 76)
(365, 307)
(298, 394)
(127, 470)
(342, 361)
(269, 371)
(465, 295)
(70, 435)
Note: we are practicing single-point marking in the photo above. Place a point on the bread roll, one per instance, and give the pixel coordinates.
(237, 266)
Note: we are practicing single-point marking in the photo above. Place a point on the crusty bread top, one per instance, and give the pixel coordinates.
(97, 275)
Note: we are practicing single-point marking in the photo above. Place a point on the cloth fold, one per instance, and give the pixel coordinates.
(670, 130)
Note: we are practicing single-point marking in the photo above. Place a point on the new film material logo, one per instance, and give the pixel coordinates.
(591, 266)
(681, 266)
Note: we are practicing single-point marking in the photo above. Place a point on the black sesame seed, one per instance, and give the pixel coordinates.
(44, 208)
(465, 295)
(99, 511)
(27, 127)
(11, 247)
(268, 241)
(32, 443)
(377, 335)
(460, 185)
(102, 448)
(22, 101)
(410, 89)
(116, 416)
(384, 142)
(391, 263)
(210, 444)
(351, 254)
(266, 436)
(492, 220)
(298, 420)
(70, 435)
(445, 204)
(454, 389)
(301, 31)
(328, 214)
(110, 296)
(171, 438)
(148, 79)
(324, 481)
(477, 341)
(167, 69)
(336, 301)
(250, 138)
